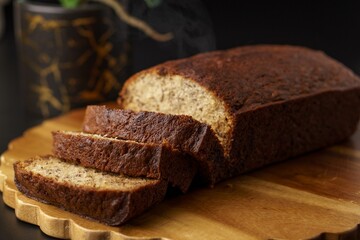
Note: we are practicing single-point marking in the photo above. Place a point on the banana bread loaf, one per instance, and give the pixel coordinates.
(179, 131)
(265, 103)
(156, 161)
(108, 198)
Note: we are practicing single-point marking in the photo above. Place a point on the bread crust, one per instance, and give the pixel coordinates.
(287, 129)
(156, 161)
(179, 131)
(111, 207)
(284, 100)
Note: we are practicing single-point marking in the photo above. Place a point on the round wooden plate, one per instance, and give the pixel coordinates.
(315, 196)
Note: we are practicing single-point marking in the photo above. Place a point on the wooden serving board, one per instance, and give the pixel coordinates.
(314, 196)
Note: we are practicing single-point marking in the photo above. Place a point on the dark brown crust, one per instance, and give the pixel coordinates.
(284, 100)
(179, 131)
(288, 129)
(106, 206)
(158, 161)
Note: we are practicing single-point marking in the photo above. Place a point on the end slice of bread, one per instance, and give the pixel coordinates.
(109, 198)
(180, 131)
(156, 161)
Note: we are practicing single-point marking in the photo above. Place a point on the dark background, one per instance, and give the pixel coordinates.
(333, 27)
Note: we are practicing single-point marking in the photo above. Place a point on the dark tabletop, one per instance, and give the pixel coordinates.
(331, 27)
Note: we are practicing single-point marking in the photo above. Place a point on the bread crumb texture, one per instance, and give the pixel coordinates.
(63, 172)
(177, 95)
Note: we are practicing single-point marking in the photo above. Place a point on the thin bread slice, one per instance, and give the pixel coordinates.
(107, 198)
(180, 131)
(157, 161)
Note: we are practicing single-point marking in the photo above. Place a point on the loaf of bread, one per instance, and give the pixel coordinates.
(179, 131)
(232, 111)
(108, 198)
(265, 103)
(156, 161)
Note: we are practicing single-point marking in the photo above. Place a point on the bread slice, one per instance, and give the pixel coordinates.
(108, 198)
(180, 131)
(157, 161)
(265, 103)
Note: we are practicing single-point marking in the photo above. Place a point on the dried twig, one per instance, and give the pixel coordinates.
(135, 22)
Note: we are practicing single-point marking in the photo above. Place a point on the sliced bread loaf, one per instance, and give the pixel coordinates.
(108, 198)
(157, 161)
(266, 103)
(180, 131)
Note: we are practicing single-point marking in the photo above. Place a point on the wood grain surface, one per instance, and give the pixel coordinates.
(315, 196)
